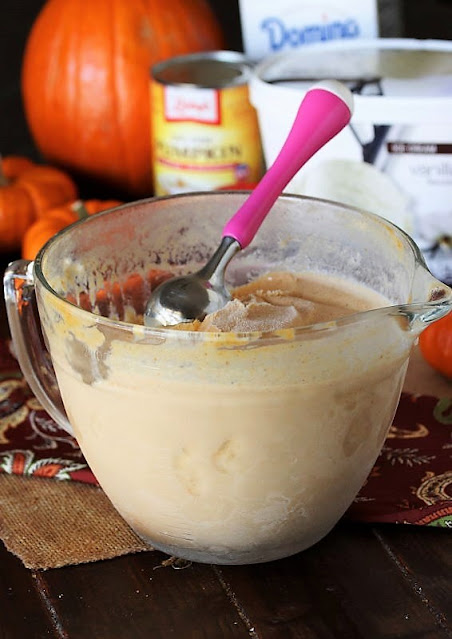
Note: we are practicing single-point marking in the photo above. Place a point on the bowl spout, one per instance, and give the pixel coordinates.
(432, 300)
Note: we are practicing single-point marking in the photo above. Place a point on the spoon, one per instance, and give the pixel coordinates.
(325, 110)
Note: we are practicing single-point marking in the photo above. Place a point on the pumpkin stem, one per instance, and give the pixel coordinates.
(80, 209)
(3, 179)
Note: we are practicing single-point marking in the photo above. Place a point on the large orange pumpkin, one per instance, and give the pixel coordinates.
(85, 80)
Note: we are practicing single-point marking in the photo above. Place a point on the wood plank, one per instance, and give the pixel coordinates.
(285, 602)
(22, 614)
(136, 597)
(425, 559)
(346, 586)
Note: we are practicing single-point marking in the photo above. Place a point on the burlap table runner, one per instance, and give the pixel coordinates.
(53, 514)
(48, 524)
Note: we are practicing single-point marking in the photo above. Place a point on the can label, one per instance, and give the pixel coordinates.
(203, 138)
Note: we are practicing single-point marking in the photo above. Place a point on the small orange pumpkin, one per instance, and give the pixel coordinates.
(27, 190)
(435, 344)
(85, 80)
(57, 219)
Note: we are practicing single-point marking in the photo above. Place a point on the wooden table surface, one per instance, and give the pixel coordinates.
(360, 582)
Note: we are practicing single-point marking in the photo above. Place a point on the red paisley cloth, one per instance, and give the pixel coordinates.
(31, 443)
(411, 481)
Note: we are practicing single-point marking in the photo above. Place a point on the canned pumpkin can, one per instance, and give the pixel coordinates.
(205, 132)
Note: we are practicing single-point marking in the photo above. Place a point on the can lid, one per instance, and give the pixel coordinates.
(210, 70)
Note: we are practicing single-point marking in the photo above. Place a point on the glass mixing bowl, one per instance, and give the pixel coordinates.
(223, 448)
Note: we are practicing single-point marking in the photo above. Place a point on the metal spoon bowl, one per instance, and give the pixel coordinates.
(325, 110)
(193, 296)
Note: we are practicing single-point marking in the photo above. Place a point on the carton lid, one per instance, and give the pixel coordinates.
(393, 80)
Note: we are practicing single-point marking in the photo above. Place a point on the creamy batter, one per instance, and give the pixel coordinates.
(235, 447)
(284, 300)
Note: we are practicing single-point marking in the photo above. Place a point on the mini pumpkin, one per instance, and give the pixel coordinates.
(27, 190)
(57, 219)
(435, 344)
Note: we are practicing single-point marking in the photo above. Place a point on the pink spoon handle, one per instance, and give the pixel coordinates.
(325, 110)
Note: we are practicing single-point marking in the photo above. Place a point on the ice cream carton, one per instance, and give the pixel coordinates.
(395, 157)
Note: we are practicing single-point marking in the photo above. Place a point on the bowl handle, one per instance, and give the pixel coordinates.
(34, 358)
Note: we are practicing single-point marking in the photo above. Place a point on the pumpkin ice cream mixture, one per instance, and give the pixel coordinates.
(283, 300)
(237, 446)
